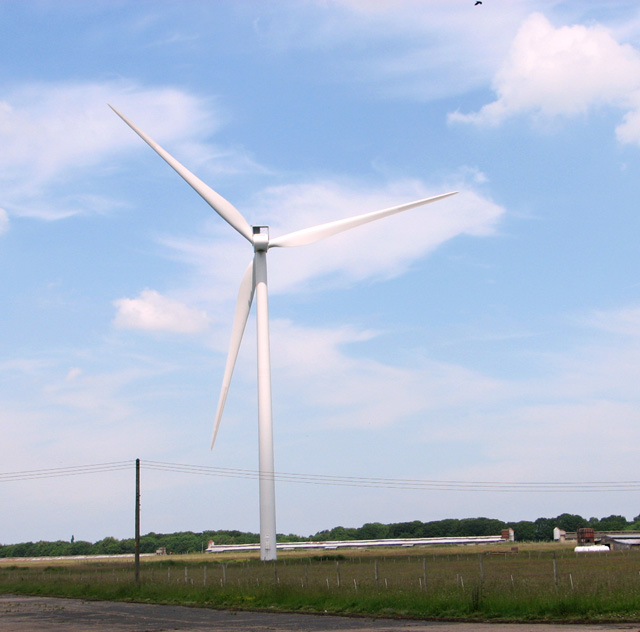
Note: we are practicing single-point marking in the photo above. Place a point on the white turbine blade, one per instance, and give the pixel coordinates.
(223, 207)
(316, 233)
(243, 306)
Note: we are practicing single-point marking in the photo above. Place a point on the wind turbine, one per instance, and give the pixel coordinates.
(254, 282)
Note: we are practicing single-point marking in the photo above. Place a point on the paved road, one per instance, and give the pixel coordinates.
(46, 614)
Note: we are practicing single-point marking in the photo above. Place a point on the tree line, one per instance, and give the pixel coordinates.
(189, 542)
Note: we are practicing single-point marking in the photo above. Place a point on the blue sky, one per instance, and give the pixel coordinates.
(493, 336)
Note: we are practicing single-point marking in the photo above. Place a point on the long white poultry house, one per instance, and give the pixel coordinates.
(358, 544)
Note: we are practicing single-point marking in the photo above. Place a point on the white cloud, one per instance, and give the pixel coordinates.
(51, 133)
(73, 374)
(564, 71)
(410, 49)
(629, 130)
(385, 248)
(48, 129)
(359, 392)
(24, 366)
(97, 394)
(624, 321)
(153, 312)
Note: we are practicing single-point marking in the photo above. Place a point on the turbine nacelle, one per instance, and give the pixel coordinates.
(260, 238)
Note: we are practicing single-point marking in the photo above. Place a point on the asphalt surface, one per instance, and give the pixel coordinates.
(47, 614)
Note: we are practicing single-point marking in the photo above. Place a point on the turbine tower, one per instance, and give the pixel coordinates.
(254, 282)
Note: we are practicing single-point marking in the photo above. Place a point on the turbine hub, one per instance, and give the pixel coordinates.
(260, 238)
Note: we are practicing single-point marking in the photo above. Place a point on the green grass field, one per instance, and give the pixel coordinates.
(537, 583)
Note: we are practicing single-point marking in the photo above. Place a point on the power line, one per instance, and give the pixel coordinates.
(56, 472)
(396, 483)
(323, 479)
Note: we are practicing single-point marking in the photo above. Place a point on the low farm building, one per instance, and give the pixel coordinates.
(621, 542)
(506, 536)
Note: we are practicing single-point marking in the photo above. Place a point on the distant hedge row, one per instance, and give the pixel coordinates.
(190, 542)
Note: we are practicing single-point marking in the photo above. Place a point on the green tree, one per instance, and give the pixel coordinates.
(613, 523)
(406, 529)
(373, 531)
(524, 530)
(80, 547)
(343, 533)
(449, 527)
(571, 522)
(544, 528)
(480, 526)
(108, 546)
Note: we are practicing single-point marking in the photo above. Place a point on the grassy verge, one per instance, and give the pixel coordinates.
(530, 585)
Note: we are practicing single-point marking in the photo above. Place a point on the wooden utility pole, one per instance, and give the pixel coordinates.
(137, 545)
